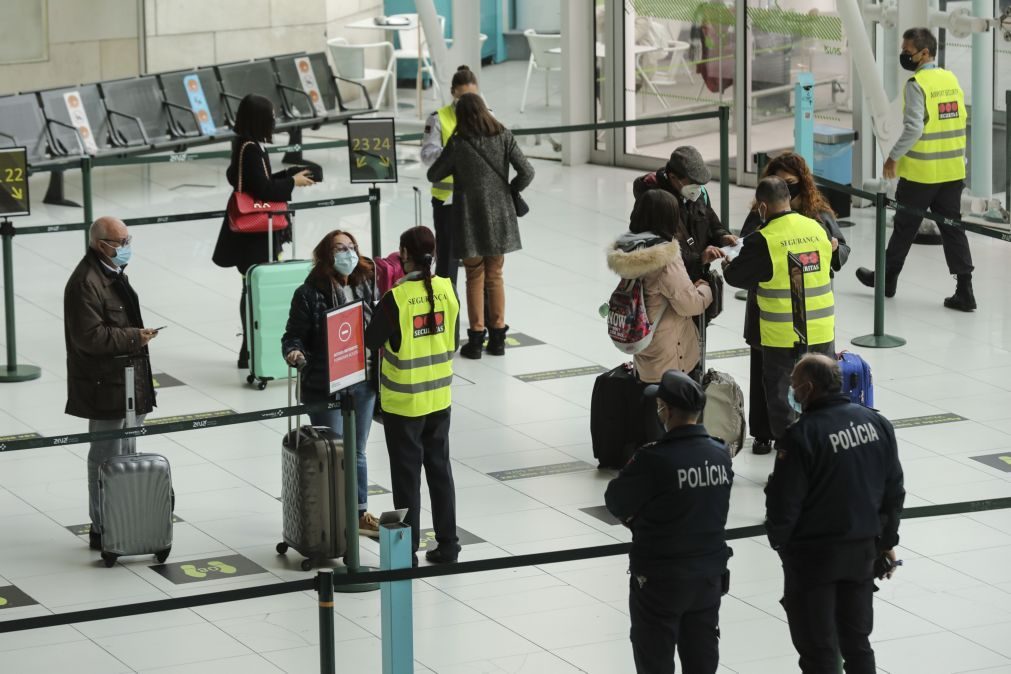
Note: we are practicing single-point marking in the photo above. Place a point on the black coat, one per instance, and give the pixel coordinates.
(698, 217)
(674, 494)
(752, 329)
(101, 325)
(837, 479)
(245, 250)
(306, 329)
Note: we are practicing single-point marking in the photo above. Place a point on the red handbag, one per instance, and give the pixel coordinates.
(249, 215)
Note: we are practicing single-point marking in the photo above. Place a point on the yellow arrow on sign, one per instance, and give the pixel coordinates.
(1005, 459)
(385, 161)
(17, 193)
(361, 162)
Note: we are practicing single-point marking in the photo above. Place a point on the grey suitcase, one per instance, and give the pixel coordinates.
(135, 492)
(723, 416)
(312, 491)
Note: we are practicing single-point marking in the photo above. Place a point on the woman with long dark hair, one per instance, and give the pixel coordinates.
(806, 199)
(339, 276)
(416, 325)
(478, 156)
(254, 124)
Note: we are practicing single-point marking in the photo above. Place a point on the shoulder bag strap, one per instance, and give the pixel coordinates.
(487, 161)
(242, 151)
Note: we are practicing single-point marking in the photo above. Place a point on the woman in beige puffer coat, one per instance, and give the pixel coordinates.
(650, 251)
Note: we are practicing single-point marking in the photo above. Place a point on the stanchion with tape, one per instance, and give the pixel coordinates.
(13, 372)
(377, 244)
(397, 634)
(327, 652)
(352, 560)
(879, 340)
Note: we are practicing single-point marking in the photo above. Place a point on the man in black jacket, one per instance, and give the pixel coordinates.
(832, 513)
(674, 495)
(683, 176)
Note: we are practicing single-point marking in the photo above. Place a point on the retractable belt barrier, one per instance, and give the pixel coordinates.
(494, 564)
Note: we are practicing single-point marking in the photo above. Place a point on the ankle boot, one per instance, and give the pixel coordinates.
(866, 277)
(496, 341)
(475, 344)
(963, 299)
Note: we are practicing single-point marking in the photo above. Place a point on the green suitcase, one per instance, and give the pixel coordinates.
(269, 288)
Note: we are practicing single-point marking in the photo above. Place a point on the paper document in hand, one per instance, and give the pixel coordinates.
(733, 251)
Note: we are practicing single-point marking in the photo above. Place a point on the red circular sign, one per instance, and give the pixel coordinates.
(344, 332)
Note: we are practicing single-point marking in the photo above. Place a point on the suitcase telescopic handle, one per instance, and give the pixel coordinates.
(299, 366)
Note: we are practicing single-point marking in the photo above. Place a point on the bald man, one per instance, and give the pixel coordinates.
(832, 512)
(105, 333)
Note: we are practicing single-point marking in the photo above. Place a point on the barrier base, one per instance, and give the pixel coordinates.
(360, 587)
(741, 295)
(878, 341)
(16, 373)
(844, 223)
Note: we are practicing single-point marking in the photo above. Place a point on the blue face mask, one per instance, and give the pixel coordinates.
(122, 256)
(345, 262)
(794, 403)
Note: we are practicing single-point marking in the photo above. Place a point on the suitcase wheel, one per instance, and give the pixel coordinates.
(109, 559)
(306, 565)
(281, 548)
(163, 555)
(250, 379)
(262, 384)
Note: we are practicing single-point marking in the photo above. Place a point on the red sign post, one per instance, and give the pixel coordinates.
(345, 337)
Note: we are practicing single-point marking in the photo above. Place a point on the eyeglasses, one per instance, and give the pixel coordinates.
(340, 247)
(118, 242)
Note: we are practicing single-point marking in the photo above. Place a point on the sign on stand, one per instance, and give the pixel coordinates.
(14, 182)
(798, 299)
(345, 336)
(372, 147)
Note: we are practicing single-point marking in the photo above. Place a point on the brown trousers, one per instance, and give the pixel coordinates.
(485, 273)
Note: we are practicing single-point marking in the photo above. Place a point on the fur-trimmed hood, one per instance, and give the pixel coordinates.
(635, 255)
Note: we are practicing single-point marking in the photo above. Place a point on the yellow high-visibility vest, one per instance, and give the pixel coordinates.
(415, 380)
(443, 189)
(805, 238)
(939, 155)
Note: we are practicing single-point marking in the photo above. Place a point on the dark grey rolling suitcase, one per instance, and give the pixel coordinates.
(312, 492)
(135, 493)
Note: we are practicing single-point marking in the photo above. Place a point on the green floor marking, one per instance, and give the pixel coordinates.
(541, 471)
(561, 374)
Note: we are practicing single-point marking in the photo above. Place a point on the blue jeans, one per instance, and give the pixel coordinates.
(365, 403)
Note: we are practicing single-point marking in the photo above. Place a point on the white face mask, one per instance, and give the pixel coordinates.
(691, 192)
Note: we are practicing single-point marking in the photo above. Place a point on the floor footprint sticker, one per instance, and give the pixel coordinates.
(192, 571)
(221, 567)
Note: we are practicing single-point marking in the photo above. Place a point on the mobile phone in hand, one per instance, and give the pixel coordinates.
(159, 329)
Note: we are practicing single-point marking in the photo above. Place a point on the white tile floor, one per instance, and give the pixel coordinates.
(948, 609)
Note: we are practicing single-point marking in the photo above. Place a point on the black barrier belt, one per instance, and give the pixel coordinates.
(169, 427)
(495, 564)
(939, 219)
(183, 217)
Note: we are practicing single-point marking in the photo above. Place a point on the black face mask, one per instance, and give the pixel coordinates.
(906, 61)
(794, 189)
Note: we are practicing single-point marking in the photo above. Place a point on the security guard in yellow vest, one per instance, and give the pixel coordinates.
(438, 128)
(416, 326)
(762, 264)
(929, 159)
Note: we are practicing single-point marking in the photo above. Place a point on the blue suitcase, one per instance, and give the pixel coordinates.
(856, 378)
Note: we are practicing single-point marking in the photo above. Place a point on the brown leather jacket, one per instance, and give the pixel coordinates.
(101, 324)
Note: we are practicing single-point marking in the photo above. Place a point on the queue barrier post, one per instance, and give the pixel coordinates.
(397, 633)
(724, 112)
(377, 245)
(352, 560)
(86, 200)
(327, 652)
(879, 340)
(1007, 149)
(13, 372)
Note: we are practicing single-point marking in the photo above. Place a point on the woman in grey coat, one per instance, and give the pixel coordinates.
(478, 156)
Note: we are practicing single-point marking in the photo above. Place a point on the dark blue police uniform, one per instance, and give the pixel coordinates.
(674, 495)
(832, 507)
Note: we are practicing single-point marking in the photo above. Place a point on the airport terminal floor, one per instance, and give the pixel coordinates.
(526, 480)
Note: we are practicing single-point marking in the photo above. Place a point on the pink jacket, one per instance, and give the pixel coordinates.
(388, 271)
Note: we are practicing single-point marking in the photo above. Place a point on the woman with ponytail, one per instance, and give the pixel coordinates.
(416, 326)
(338, 277)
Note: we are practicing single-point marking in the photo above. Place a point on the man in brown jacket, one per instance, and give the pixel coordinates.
(104, 334)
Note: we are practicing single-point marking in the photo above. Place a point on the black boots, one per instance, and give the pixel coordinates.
(496, 341)
(866, 276)
(475, 344)
(963, 299)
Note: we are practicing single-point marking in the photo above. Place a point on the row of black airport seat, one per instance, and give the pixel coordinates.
(152, 113)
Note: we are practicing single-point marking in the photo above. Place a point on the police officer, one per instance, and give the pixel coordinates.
(832, 513)
(762, 265)
(438, 128)
(674, 495)
(416, 326)
(929, 159)
(684, 177)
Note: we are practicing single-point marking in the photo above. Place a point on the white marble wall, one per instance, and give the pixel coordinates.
(88, 41)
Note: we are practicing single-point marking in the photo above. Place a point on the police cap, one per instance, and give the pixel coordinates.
(678, 390)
